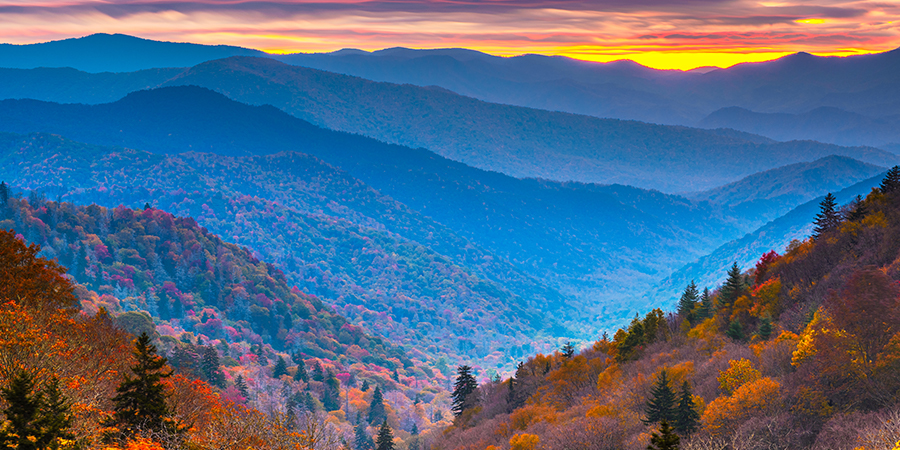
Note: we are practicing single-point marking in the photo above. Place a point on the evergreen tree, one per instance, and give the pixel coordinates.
(891, 181)
(568, 350)
(301, 374)
(280, 368)
(56, 417)
(688, 302)
(464, 390)
(706, 308)
(4, 194)
(385, 439)
(140, 402)
(828, 218)
(318, 372)
(241, 386)
(687, 420)
(22, 413)
(377, 412)
(261, 355)
(661, 405)
(665, 440)
(365, 386)
(362, 440)
(209, 364)
(765, 327)
(331, 395)
(734, 286)
(735, 330)
(858, 209)
(634, 340)
(309, 403)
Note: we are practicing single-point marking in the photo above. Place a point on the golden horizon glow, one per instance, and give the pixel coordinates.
(662, 34)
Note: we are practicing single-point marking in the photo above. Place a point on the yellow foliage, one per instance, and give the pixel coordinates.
(756, 398)
(740, 373)
(609, 377)
(811, 402)
(524, 442)
(704, 330)
(766, 299)
(139, 444)
(521, 418)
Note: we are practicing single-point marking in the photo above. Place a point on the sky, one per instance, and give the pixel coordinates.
(664, 34)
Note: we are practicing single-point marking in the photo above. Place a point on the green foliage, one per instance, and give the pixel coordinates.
(385, 439)
(331, 395)
(464, 388)
(630, 344)
(568, 350)
(732, 289)
(36, 419)
(280, 368)
(377, 411)
(361, 438)
(735, 330)
(661, 405)
(688, 302)
(301, 374)
(666, 439)
(765, 327)
(211, 368)
(828, 218)
(686, 419)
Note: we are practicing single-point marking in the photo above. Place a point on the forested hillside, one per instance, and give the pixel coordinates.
(799, 352)
(227, 318)
(334, 236)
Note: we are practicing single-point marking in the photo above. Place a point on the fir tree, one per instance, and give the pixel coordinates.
(891, 181)
(568, 350)
(734, 286)
(362, 440)
(735, 330)
(280, 368)
(301, 374)
(209, 364)
(765, 328)
(318, 372)
(241, 386)
(140, 402)
(688, 302)
(665, 440)
(828, 218)
(331, 395)
(858, 210)
(661, 405)
(56, 417)
(261, 355)
(385, 439)
(365, 386)
(706, 309)
(4, 194)
(22, 413)
(464, 390)
(687, 420)
(309, 403)
(377, 412)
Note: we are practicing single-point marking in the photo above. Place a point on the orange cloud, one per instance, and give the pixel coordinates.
(669, 34)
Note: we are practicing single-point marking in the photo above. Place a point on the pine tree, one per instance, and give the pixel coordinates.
(765, 328)
(22, 413)
(858, 210)
(309, 403)
(665, 440)
(4, 194)
(377, 412)
(318, 372)
(241, 386)
(301, 374)
(568, 350)
(261, 355)
(828, 218)
(687, 420)
(705, 310)
(464, 390)
(362, 440)
(331, 395)
(385, 439)
(365, 386)
(661, 405)
(735, 330)
(688, 302)
(140, 402)
(891, 181)
(56, 417)
(209, 364)
(280, 368)
(734, 286)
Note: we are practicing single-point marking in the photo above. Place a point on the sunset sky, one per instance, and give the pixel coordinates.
(678, 34)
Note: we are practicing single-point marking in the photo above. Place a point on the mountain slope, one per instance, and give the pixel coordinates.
(823, 124)
(113, 53)
(330, 233)
(774, 192)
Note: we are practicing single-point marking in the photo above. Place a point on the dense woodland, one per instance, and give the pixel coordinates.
(802, 351)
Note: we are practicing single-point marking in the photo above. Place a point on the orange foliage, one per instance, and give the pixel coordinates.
(740, 373)
(523, 417)
(766, 300)
(27, 278)
(524, 442)
(753, 399)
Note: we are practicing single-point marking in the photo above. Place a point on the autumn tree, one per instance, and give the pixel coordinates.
(140, 402)
(385, 439)
(377, 412)
(687, 419)
(464, 390)
(828, 217)
(661, 405)
(29, 279)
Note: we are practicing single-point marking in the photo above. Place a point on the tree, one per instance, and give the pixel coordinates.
(331, 396)
(209, 364)
(4, 194)
(891, 181)
(463, 390)
(665, 440)
(23, 413)
(56, 417)
(241, 386)
(31, 280)
(318, 374)
(765, 327)
(706, 307)
(301, 374)
(733, 287)
(688, 302)
(687, 419)
(385, 439)
(661, 405)
(362, 440)
(377, 412)
(828, 217)
(735, 330)
(858, 209)
(280, 368)
(140, 402)
(365, 386)
(568, 350)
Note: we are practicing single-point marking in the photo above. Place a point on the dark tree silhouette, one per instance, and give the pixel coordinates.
(687, 419)
(666, 439)
(464, 390)
(661, 405)
(828, 218)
